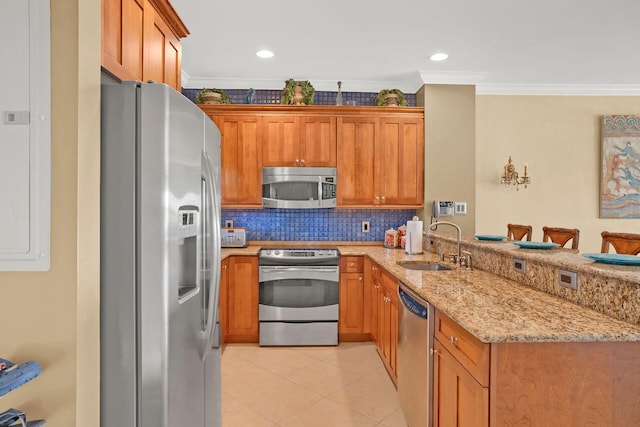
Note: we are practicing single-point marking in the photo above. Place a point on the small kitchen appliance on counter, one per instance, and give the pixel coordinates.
(233, 237)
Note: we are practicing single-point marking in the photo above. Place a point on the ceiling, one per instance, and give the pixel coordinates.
(502, 46)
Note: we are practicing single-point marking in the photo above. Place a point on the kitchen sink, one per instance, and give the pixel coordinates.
(423, 265)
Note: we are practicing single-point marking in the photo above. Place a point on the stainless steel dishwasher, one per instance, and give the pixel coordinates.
(415, 363)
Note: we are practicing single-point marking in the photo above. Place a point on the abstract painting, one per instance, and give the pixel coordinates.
(620, 183)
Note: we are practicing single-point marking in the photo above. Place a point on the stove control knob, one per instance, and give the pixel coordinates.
(267, 253)
(276, 253)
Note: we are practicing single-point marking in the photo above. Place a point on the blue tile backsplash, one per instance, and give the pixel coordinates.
(316, 224)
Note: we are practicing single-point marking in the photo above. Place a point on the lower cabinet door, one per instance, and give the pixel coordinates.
(459, 400)
(243, 299)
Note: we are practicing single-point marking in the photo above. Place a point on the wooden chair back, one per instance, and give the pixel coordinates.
(623, 243)
(518, 232)
(561, 235)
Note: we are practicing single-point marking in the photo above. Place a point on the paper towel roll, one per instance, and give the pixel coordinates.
(414, 237)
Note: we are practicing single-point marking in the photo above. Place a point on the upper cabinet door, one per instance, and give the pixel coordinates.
(358, 138)
(241, 160)
(400, 176)
(141, 41)
(122, 38)
(318, 136)
(163, 52)
(281, 141)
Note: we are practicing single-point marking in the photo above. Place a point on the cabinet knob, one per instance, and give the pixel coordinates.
(453, 339)
(297, 161)
(360, 278)
(382, 198)
(224, 267)
(377, 197)
(302, 161)
(351, 264)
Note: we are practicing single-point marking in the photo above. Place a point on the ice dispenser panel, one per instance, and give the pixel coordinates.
(187, 251)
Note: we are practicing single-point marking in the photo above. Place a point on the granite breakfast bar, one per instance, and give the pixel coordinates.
(508, 353)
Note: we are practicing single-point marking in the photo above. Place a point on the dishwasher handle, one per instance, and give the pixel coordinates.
(412, 305)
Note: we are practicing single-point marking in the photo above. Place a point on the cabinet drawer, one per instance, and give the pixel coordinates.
(467, 349)
(351, 264)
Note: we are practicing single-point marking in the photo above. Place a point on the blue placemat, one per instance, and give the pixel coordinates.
(489, 237)
(536, 245)
(617, 259)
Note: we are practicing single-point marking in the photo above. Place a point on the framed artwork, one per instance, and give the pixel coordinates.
(620, 179)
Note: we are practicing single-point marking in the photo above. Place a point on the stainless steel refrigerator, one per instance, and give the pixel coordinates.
(160, 259)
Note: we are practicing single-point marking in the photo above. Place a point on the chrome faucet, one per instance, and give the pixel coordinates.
(454, 257)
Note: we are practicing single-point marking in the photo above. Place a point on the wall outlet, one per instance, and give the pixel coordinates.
(568, 279)
(520, 265)
(366, 227)
(228, 223)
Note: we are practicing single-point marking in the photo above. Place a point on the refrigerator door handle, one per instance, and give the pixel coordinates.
(211, 240)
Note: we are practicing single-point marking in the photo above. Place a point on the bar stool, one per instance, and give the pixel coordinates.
(623, 243)
(518, 232)
(561, 235)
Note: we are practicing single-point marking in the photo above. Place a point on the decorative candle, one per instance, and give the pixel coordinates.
(525, 169)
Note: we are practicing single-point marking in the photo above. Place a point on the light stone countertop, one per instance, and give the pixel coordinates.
(492, 308)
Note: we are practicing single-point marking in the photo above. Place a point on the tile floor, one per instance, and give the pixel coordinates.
(339, 386)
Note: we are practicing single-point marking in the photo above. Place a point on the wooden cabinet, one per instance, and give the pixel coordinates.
(459, 400)
(381, 308)
(378, 151)
(299, 141)
(163, 51)
(351, 311)
(141, 40)
(381, 161)
(388, 323)
(461, 376)
(544, 383)
(318, 141)
(242, 299)
(399, 178)
(358, 137)
(241, 163)
(281, 141)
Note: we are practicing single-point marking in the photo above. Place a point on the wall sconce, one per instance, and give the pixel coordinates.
(512, 179)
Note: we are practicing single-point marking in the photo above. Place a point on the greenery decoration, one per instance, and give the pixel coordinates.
(224, 100)
(382, 101)
(308, 92)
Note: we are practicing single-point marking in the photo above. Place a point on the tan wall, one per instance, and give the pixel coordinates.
(450, 151)
(52, 317)
(559, 138)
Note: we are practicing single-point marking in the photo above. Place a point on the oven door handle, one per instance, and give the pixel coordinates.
(269, 273)
(306, 269)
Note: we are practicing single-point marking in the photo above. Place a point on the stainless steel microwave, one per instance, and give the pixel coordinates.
(298, 188)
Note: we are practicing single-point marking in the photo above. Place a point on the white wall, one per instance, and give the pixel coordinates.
(559, 138)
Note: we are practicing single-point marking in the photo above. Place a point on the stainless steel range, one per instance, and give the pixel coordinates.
(298, 296)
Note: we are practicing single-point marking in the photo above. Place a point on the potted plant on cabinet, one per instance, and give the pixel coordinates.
(212, 96)
(391, 98)
(297, 93)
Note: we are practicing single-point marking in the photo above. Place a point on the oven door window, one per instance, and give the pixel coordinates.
(298, 293)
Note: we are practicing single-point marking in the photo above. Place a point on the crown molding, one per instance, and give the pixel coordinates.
(557, 89)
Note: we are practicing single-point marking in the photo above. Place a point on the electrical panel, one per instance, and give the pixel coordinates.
(25, 136)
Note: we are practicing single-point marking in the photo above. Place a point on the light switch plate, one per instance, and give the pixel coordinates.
(461, 208)
(520, 265)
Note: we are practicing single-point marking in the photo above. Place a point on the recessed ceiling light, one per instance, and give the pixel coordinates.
(438, 57)
(264, 54)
